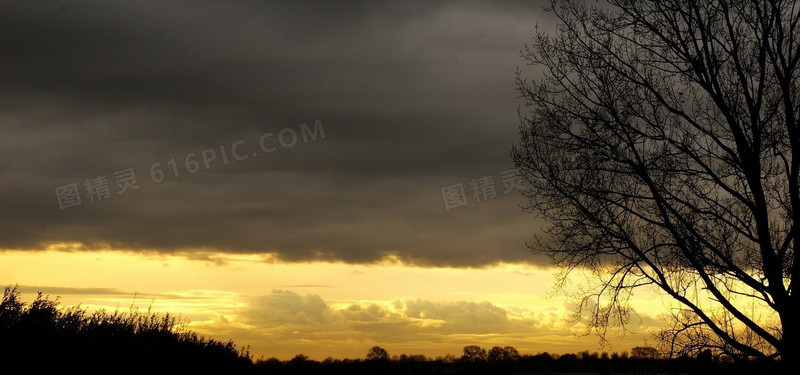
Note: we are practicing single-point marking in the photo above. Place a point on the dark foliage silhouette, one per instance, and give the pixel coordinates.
(376, 353)
(42, 337)
(512, 363)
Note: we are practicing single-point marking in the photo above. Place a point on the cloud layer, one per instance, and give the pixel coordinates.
(412, 97)
(283, 320)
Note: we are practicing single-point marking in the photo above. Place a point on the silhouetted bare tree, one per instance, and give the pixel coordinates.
(473, 353)
(376, 353)
(498, 353)
(644, 352)
(662, 146)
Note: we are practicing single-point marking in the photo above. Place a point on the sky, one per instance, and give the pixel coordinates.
(277, 171)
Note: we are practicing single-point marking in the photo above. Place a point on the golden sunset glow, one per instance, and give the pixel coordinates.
(326, 309)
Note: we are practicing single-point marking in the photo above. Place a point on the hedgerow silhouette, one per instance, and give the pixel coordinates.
(42, 337)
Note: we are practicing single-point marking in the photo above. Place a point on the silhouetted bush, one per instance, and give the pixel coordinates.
(42, 337)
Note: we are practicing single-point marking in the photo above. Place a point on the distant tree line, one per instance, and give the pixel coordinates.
(508, 360)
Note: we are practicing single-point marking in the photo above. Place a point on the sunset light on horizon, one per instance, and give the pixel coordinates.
(324, 309)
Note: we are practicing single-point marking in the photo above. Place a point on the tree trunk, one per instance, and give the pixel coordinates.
(790, 350)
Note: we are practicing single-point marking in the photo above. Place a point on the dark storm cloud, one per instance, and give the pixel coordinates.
(412, 97)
